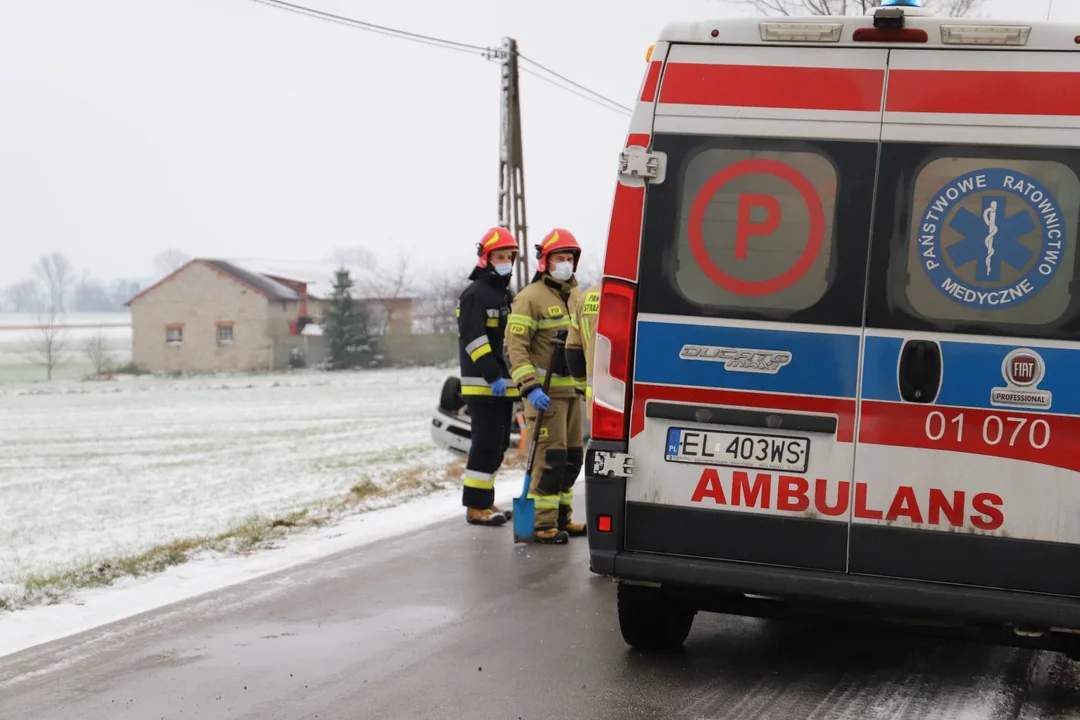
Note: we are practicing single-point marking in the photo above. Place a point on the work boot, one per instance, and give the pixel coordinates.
(551, 536)
(575, 529)
(484, 517)
(508, 514)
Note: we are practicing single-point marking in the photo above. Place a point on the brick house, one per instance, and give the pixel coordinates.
(214, 315)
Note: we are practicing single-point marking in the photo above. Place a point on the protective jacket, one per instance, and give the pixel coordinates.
(580, 342)
(540, 313)
(482, 312)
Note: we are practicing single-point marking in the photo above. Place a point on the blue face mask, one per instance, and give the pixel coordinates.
(504, 269)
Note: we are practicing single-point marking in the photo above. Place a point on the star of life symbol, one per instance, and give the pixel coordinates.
(1023, 370)
(985, 232)
(993, 239)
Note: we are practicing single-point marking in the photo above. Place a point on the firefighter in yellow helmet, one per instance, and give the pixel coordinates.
(580, 343)
(483, 308)
(540, 315)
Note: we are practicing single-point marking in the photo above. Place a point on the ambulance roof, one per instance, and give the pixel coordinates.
(966, 34)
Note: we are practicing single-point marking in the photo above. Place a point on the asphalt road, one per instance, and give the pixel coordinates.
(457, 622)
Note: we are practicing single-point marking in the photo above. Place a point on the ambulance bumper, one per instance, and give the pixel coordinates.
(904, 597)
(605, 499)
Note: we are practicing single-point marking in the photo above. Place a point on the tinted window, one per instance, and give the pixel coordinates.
(759, 230)
(977, 241)
(765, 229)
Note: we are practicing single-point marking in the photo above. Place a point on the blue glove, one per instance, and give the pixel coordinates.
(499, 387)
(539, 399)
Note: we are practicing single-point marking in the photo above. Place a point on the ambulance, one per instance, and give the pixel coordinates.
(838, 354)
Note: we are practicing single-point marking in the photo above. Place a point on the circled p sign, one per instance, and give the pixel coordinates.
(815, 235)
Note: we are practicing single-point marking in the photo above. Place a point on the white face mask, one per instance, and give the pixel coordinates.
(504, 269)
(562, 271)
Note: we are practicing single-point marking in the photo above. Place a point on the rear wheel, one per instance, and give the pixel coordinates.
(650, 619)
(451, 398)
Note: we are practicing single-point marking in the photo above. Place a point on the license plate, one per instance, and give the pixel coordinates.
(738, 449)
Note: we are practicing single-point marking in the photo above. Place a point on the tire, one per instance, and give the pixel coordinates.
(451, 398)
(652, 620)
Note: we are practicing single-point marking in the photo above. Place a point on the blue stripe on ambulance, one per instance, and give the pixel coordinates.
(822, 363)
(969, 371)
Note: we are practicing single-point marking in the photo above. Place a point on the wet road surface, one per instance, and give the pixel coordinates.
(457, 622)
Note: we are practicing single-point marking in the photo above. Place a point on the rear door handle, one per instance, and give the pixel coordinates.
(920, 371)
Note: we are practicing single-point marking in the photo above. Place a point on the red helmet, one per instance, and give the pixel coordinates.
(558, 240)
(497, 238)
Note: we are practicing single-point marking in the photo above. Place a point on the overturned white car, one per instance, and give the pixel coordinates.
(451, 428)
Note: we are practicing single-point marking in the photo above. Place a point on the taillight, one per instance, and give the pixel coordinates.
(611, 377)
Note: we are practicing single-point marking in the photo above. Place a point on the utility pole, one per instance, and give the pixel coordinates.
(511, 161)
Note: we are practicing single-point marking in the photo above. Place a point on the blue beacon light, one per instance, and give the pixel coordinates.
(902, 3)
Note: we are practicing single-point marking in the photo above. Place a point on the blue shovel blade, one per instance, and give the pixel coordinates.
(524, 517)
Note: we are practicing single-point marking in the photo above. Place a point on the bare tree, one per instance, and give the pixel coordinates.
(120, 291)
(952, 8)
(438, 302)
(24, 296)
(97, 351)
(90, 295)
(50, 339)
(57, 276)
(356, 256)
(386, 286)
(166, 261)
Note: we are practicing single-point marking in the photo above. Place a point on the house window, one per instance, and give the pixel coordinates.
(174, 334)
(224, 333)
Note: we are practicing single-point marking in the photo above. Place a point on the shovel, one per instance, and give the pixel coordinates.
(524, 508)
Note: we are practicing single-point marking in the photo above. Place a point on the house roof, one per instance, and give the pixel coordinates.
(270, 288)
(261, 284)
(319, 277)
(258, 275)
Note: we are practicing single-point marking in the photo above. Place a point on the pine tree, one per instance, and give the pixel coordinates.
(348, 341)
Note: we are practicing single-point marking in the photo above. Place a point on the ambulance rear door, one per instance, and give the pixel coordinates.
(750, 304)
(968, 457)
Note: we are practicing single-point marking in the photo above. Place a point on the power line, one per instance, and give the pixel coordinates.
(577, 85)
(606, 104)
(582, 91)
(379, 29)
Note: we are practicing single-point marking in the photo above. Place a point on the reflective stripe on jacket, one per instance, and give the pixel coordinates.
(481, 316)
(581, 341)
(540, 313)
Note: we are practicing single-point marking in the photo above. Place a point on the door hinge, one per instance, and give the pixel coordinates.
(638, 165)
(611, 464)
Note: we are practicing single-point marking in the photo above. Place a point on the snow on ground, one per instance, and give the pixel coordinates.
(93, 470)
(129, 597)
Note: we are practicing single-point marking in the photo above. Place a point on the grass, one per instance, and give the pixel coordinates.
(255, 533)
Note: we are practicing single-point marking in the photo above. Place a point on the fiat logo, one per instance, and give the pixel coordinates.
(1023, 369)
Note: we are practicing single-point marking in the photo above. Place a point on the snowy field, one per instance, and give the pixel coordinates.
(94, 470)
(18, 343)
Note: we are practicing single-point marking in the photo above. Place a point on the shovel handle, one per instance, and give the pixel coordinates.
(540, 415)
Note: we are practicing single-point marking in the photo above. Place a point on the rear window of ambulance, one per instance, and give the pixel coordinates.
(991, 242)
(757, 230)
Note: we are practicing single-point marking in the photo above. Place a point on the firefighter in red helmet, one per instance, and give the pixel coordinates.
(482, 312)
(540, 317)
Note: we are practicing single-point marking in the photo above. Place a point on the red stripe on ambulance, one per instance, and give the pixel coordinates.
(970, 92)
(765, 86)
(842, 408)
(652, 81)
(1002, 433)
(624, 232)
(821, 497)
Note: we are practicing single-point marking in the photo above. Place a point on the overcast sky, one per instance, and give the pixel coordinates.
(227, 128)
